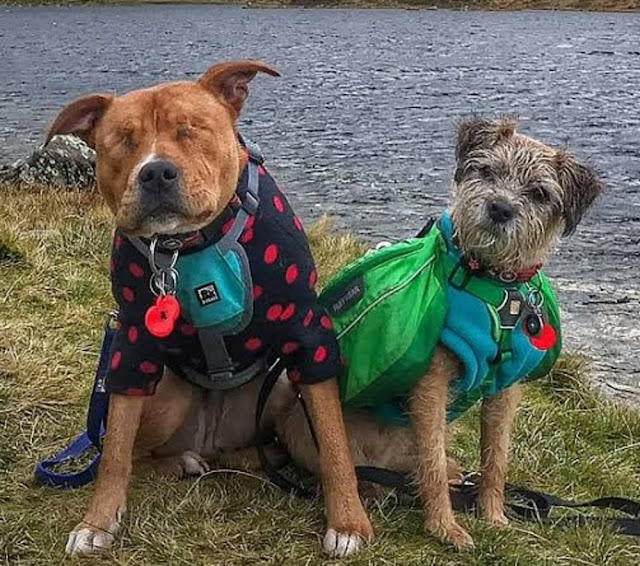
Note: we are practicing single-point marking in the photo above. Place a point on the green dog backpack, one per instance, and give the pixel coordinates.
(388, 292)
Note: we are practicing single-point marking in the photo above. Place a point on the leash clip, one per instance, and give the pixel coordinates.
(471, 479)
(111, 320)
(164, 280)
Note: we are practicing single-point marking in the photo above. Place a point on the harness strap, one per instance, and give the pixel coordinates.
(462, 278)
(222, 381)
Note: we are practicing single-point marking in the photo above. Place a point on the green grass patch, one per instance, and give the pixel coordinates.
(54, 295)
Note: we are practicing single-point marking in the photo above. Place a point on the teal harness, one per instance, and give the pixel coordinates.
(486, 327)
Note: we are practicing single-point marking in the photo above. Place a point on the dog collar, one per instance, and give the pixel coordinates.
(504, 276)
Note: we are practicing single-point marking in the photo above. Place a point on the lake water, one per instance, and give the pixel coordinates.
(360, 126)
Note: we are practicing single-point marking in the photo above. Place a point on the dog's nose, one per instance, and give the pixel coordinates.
(158, 176)
(500, 211)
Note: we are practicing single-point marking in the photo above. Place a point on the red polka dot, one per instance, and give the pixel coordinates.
(133, 334)
(134, 392)
(148, 367)
(292, 273)
(288, 312)
(274, 312)
(227, 225)
(118, 242)
(247, 237)
(290, 347)
(136, 270)
(325, 321)
(128, 295)
(271, 253)
(257, 292)
(313, 279)
(187, 329)
(112, 265)
(294, 375)
(277, 202)
(115, 359)
(320, 355)
(261, 170)
(297, 222)
(250, 222)
(308, 318)
(253, 344)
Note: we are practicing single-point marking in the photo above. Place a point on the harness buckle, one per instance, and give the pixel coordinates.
(250, 202)
(111, 320)
(221, 374)
(255, 153)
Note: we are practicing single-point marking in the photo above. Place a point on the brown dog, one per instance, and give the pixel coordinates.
(191, 126)
(513, 198)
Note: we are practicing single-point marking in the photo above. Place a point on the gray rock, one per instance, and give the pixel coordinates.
(66, 163)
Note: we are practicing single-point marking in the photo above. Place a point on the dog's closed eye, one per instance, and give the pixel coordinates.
(123, 139)
(183, 132)
(128, 137)
(538, 193)
(487, 172)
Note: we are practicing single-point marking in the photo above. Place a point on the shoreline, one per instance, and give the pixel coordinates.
(605, 6)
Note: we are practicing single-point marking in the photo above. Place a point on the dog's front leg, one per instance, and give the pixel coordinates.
(429, 419)
(102, 519)
(348, 526)
(497, 415)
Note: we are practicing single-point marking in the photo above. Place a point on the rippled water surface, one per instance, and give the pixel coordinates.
(360, 126)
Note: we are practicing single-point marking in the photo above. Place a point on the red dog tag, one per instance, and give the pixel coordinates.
(160, 318)
(546, 339)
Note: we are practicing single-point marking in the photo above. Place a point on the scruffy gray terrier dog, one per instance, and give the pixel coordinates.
(513, 198)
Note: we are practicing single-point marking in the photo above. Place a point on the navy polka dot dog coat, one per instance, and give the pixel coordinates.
(287, 321)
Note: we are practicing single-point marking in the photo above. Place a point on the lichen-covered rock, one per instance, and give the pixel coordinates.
(65, 163)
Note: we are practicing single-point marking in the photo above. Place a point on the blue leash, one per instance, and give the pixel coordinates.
(92, 437)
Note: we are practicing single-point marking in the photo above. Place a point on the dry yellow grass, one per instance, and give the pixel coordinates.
(54, 292)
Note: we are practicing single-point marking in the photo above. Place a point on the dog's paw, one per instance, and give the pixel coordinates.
(173, 467)
(85, 540)
(193, 464)
(453, 533)
(94, 533)
(340, 545)
(348, 536)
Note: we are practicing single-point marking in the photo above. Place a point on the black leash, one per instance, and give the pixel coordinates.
(524, 503)
(287, 477)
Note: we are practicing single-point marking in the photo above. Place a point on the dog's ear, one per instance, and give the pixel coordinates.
(580, 186)
(81, 117)
(478, 133)
(231, 80)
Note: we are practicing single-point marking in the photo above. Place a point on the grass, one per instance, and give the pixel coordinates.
(53, 296)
